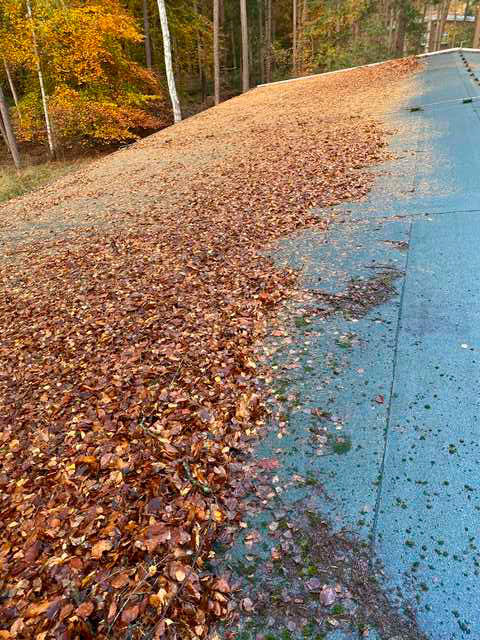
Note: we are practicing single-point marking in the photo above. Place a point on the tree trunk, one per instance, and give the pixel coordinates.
(442, 19)
(7, 126)
(146, 31)
(476, 35)
(467, 11)
(261, 42)
(391, 30)
(201, 70)
(400, 33)
(294, 46)
(3, 133)
(268, 41)
(234, 47)
(302, 35)
(167, 50)
(51, 144)
(11, 85)
(245, 54)
(216, 49)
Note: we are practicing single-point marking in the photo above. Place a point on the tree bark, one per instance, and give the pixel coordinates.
(7, 126)
(442, 19)
(476, 35)
(201, 71)
(268, 41)
(234, 47)
(10, 84)
(400, 33)
(302, 35)
(146, 32)
(167, 50)
(261, 41)
(51, 144)
(294, 46)
(216, 49)
(245, 53)
(3, 133)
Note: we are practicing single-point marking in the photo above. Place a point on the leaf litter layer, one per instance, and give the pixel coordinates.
(133, 296)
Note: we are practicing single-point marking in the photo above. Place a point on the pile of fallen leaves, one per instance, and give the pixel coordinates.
(128, 381)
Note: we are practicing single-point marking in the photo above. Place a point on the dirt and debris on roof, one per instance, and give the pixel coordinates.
(133, 295)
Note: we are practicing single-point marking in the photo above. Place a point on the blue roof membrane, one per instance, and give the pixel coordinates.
(379, 435)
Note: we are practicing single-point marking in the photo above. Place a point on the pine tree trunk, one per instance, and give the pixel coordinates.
(7, 126)
(294, 46)
(391, 30)
(476, 35)
(261, 42)
(167, 50)
(51, 144)
(234, 47)
(442, 19)
(302, 35)
(216, 49)
(245, 53)
(146, 32)
(400, 33)
(268, 41)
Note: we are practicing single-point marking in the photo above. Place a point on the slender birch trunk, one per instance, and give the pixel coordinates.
(146, 33)
(167, 50)
(51, 144)
(476, 35)
(10, 84)
(7, 127)
(245, 53)
(216, 49)
(3, 133)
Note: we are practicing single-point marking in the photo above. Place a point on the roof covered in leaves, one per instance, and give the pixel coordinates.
(134, 296)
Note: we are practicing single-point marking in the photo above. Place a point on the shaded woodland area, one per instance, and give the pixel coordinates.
(83, 74)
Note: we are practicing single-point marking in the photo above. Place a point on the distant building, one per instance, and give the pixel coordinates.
(457, 30)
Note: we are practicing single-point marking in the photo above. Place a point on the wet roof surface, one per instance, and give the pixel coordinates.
(396, 451)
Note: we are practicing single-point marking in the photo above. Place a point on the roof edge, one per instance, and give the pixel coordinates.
(364, 66)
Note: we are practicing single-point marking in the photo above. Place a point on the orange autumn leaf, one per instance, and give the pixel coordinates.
(100, 547)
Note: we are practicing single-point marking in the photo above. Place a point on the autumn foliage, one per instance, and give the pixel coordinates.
(98, 94)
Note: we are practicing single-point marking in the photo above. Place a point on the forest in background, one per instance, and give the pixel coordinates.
(78, 75)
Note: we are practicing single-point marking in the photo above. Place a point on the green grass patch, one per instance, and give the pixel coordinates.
(16, 183)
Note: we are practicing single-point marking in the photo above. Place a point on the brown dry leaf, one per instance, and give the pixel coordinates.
(112, 610)
(85, 610)
(37, 608)
(130, 614)
(17, 627)
(65, 611)
(222, 585)
(100, 547)
(120, 580)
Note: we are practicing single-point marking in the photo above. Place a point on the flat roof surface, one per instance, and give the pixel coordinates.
(409, 398)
